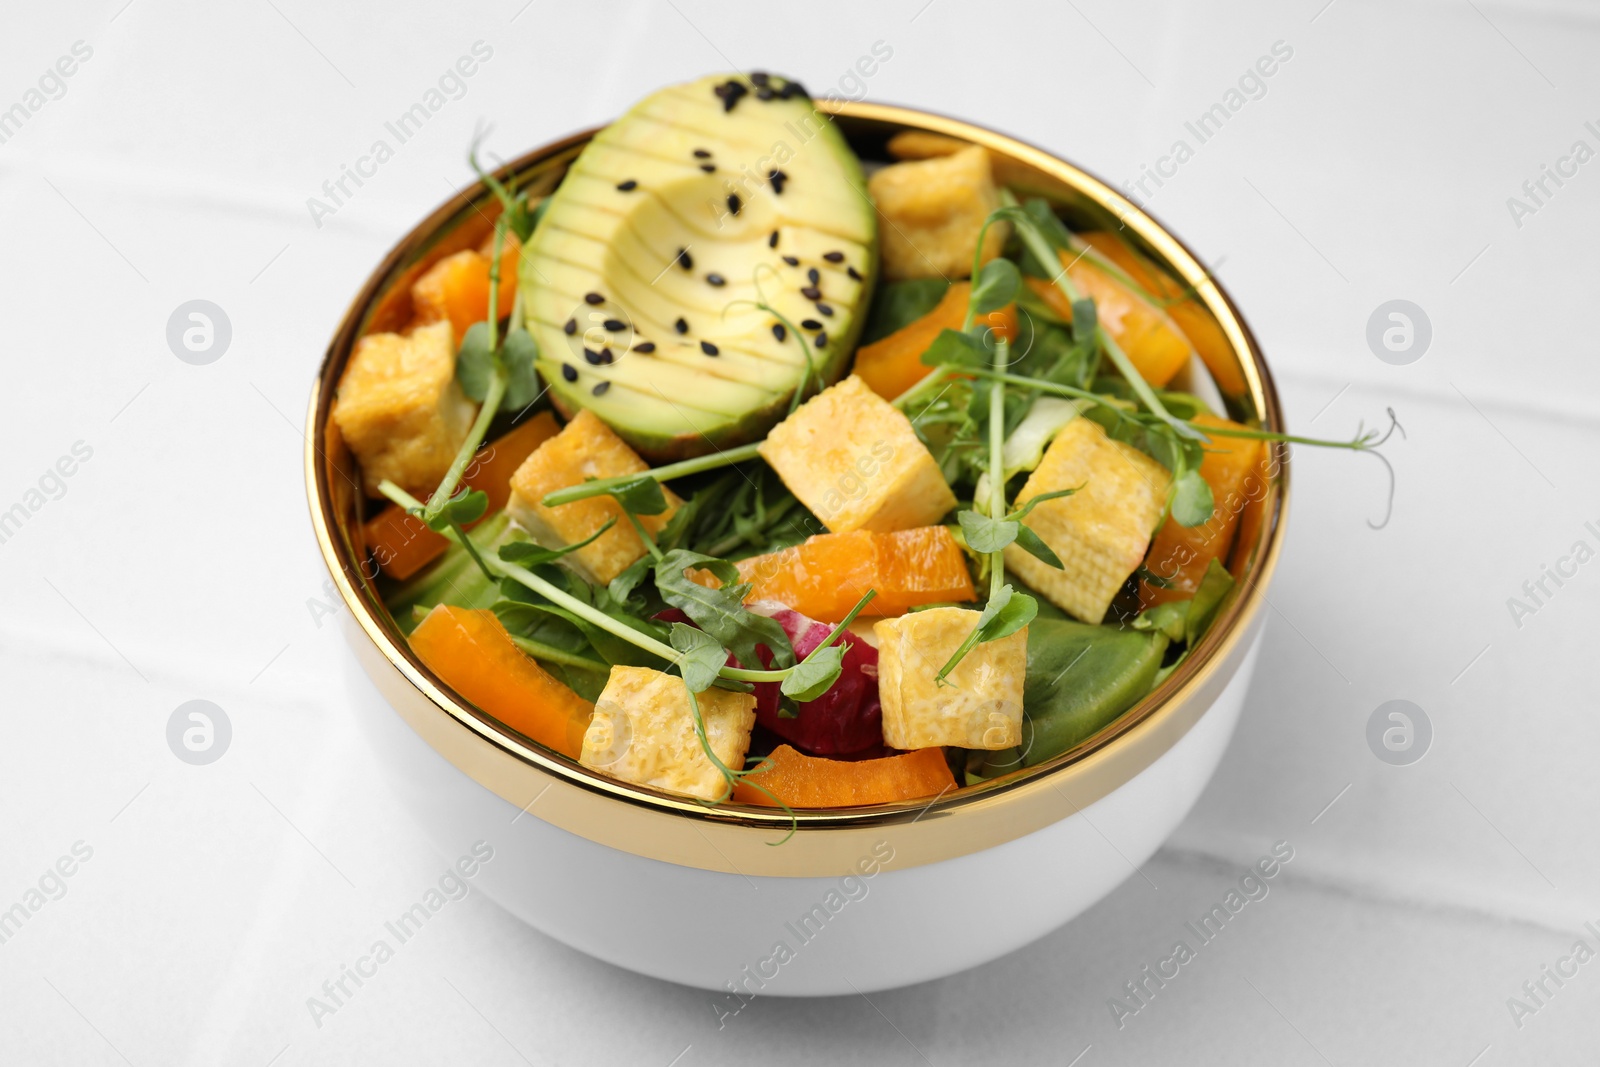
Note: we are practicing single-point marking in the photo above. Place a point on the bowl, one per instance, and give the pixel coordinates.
(856, 899)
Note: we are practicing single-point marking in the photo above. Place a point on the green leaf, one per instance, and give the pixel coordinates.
(1207, 602)
(1165, 618)
(1192, 503)
(1006, 612)
(721, 612)
(815, 675)
(641, 495)
(464, 508)
(528, 554)
(475, 362)
(1085, 319)
(899, 304)
(984, 534)
(518, 354)
(1034, 545)
(1034, 501)
(996, 287)
(701, 657)
(623, 585)
(957, 348)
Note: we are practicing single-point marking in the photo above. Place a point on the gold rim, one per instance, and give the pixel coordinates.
(734, 838)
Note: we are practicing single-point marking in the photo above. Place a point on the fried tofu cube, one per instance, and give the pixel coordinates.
(933, 210)
(855, 461)
(980, 703)
(643, 732)
(585, 448)
(401, 409)
(1100, 532)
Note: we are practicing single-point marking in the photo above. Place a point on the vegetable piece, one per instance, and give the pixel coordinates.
(585, 448)
(857, 463)
(457, 288)
(1080, 678)
(643, 731)
(474, 655)
(802, 781)
(979, 705)
(824, 577)
(1182, 304)
(1156, 346)
(401, 410)
(402, 544)
(935, 209)
(894, 364)
(1180, 554)
(659, 236)
(1100, 532)
(897, 305)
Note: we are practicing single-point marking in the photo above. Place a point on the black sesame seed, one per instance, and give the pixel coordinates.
(791, 260)
(779, 332)
(772, 241)
(709, 168)
(833, 257)
(645, 347)
(681, 326)
(760, 77)
(595, 358)
(701, 153)
(734, 203)
(708, 348)
(777, 178)
(685, 260)
(716, 279)
(606, 357)
(628, 186)
(593, 298)
(814, 275)
(853, 273)
(793, 89)
(811, 292)
(569, 372)
(615, 325)
(600, 388)
(822, 340)
(765, 93)
(729, 92)
(571, 327)
(811, 324)
(825, 310)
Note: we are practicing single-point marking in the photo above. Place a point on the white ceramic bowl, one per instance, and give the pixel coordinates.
(858, 899)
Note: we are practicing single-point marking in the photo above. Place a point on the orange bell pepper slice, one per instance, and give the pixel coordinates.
(472, 653)
(894, 364)
(457, 288)
(802, 781)
(1181, 554)
(1185, 307)
(1152, 341)
(402, 544)
(824, 577)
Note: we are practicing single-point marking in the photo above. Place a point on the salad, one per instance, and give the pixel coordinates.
(742, 470)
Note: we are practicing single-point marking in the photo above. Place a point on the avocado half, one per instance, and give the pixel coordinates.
(640, 281)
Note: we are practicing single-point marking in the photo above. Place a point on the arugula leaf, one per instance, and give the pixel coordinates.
(528, 554)
(701, 657)
(721, 612)
(899, 304)
(996, 287)
(984, 534)
(465, 507)
(608, 646)
(956, 347)
(1192, 502)
(623, 585)
(641, 495)
(814, 675)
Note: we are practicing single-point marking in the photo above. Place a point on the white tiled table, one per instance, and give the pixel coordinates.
(177, 562)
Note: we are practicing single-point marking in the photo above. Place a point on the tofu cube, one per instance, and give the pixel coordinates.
(980, 703)
(584, 449)
(855, 461)
(643, 732)
(933, 210)
(401, 410)
(1102, 531)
